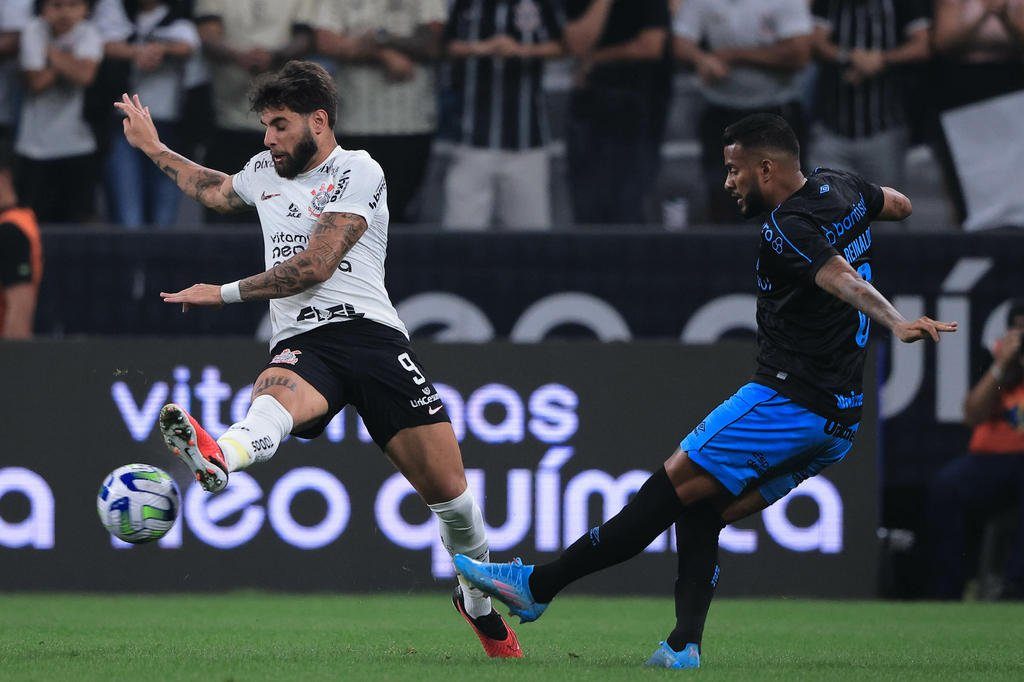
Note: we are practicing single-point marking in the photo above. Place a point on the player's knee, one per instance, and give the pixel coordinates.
(450, 488)
(462, 523)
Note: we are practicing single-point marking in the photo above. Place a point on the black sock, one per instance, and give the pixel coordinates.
(697, 533)
(490, 624)
(653, 509)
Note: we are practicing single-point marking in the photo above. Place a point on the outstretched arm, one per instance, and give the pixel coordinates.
(332, 237)
(210, 188)
(838, 278)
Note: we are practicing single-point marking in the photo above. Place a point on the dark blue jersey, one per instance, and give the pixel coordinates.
(811, 345)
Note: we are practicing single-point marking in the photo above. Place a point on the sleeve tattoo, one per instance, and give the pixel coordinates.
(332, 237)
(200, 183)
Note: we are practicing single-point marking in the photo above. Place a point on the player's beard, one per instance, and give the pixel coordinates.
(295, 161)
(754, 203)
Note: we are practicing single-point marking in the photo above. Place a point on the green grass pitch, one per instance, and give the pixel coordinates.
(255, 636)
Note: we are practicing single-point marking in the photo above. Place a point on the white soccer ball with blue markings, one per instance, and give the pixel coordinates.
(138, 503)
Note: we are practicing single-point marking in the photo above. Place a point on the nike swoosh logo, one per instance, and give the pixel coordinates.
(265, 196)
(435, 410)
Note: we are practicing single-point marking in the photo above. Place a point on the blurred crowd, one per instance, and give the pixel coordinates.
(860, 80)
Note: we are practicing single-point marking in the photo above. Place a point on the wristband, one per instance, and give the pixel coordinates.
(229, 293)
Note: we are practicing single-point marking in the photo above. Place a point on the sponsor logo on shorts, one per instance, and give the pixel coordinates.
(758, 462)
(426, 400)
(286, 357)
(434, 410)
(701, 428)
(834, 428)
(850, 400)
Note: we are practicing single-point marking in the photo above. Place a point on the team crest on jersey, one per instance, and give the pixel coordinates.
(323, 195)
(286, 357)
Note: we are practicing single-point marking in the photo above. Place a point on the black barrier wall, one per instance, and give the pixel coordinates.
(555, 437)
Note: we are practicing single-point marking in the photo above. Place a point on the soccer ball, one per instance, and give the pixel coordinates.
(138, 503)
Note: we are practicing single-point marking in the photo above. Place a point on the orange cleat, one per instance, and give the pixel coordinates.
(507, 647)
(194, 446)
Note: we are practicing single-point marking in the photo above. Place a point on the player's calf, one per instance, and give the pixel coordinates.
(463, 532)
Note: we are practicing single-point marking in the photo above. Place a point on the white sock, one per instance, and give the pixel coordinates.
(256, 438)
(463, 532)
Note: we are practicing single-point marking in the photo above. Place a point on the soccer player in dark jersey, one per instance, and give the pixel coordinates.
(801, 409)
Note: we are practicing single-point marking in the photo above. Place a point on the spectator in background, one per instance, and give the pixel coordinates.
(110, 19)
(162, 40)
(618, 46)
(755, 51)
(979, 45)
(60, 52)
(243, 38)
(386, 53)
(14, 16)
(860, 99)
(990, 478)
(500, 165)
(21, 258)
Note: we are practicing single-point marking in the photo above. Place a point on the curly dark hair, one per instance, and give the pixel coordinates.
(299, 85)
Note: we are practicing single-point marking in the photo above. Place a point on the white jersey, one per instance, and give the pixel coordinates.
(346, 182)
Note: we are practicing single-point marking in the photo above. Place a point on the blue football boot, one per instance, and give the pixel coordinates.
(508, 582)
(666, 657)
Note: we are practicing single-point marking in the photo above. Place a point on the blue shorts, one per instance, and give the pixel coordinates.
(760, 438)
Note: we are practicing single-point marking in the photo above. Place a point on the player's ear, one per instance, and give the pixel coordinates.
(318, 121)
(765, 168)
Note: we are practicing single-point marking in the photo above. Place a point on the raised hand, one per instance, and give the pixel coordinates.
(138, 125)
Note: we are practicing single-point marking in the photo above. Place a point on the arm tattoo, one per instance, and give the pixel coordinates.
(202, 184)
(332, 237)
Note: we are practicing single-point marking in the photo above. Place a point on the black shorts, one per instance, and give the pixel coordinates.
(367, 365)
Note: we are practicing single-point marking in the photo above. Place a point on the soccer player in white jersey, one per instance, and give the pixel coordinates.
(337, 339)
